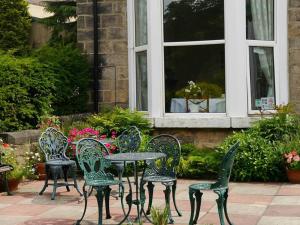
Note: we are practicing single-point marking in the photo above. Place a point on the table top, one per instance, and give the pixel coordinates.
(135, 156)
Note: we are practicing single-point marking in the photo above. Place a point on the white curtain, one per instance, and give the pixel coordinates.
(141, 81)
(140, 22)
(263, 27)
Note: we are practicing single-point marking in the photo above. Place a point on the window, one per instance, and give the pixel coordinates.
(219, 59)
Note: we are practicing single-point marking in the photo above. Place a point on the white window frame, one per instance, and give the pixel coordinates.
(237, 71)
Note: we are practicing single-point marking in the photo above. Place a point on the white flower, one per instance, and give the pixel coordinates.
(187, 90)
(37, 154)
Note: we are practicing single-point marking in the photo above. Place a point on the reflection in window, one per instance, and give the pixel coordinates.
(262, 78)
(141, 81)
(193, 20)
(140, 22)
(201, 65)
(260, 20)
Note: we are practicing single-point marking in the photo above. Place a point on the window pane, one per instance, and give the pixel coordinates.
(195, 79)
(260, 20)
(140, 22)
(187, 20)
(262, 78)
(141, 81)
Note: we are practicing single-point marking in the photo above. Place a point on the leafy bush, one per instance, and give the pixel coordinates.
(198, 163)
(119, 120)
(71, 77)
(15, 23)
(26, 88)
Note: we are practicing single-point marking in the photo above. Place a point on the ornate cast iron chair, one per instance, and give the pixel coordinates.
(220, 187)
(163, 170)
(54, 144)
(90, 155)
(128, 141)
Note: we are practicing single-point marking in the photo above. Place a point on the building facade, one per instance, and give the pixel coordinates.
(198, 69)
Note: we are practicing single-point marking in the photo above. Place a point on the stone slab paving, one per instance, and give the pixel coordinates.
(248, 204)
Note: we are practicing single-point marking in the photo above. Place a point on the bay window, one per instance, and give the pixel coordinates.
(197, 59)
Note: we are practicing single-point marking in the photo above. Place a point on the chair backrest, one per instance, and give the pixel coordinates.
(90, 156)
(54, 144)
(226, 167)
(169, 145)
(129, 140)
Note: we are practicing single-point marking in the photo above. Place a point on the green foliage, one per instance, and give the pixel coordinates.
(15, 25)
(33, 155)
(119, 120)
(198, 163)
(63, 21)
(159, 217)
(257, 158)
(71, 77)
(26, 88)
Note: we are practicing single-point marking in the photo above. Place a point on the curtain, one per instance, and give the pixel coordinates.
(141, 81)
(263, 26)
(140, 22)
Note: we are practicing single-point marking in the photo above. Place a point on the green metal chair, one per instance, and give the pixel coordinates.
(4, 169)
(220, 187)
(162, 170)
(91, 154)
(128, 141)
(54, 144)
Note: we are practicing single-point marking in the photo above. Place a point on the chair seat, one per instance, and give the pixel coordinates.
(4, 168)
(158, 178)
(205, 186)
(96, 183)
(60, 162)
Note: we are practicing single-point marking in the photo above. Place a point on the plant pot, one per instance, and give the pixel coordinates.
(41, 170)
(12, 185)
(293, 176)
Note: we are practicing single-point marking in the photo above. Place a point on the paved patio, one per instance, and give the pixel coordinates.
(249, 204)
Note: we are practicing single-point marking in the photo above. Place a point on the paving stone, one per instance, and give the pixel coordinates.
(9, 220)
(213, 218)
(268, 220)
(243, 209)
(283, 210)
(286, 200)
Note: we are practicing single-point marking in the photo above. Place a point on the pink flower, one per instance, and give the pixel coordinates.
(296, 158)
(294, 152)
(5, 145)
(289, 160)
(107, 145)
(103, 136)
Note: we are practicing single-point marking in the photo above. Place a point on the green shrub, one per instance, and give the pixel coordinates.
(159, 217)
(198, 163)
(71, 77)
(119, 120)
(257, 159)
(26, 88)
(15, 23)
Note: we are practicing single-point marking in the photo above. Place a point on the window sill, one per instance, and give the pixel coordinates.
(204, 122)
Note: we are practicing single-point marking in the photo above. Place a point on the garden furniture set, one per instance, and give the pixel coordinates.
(160, 159)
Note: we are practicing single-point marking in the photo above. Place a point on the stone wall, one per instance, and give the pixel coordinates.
(294, 52)
(112, 42)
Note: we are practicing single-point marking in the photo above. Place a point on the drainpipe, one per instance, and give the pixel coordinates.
(96, 70)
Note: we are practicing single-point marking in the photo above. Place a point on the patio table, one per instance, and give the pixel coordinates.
(135, 157)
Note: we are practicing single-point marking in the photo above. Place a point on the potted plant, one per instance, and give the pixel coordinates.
(35, 163)
(292, 161)
(9, 157)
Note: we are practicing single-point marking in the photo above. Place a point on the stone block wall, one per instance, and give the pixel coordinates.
(294, 52)
(113, 54)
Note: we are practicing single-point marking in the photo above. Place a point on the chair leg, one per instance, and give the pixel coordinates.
(6, 184)
(46, 180)
(100, 204)
(150, 187)
(225, 207)
(120, 170)
(192, 202)
(107, 191)
(73, 171)
(174, 198)
(167, 192)
(220, 202)
(198, 196)
(85, 195)
(65, 172)
(55, 170)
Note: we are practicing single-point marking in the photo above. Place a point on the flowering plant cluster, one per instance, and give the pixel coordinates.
(8, 156)
(292, 159)
(199, 90)
(49, 121)
(32, 157)
(76, 134)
